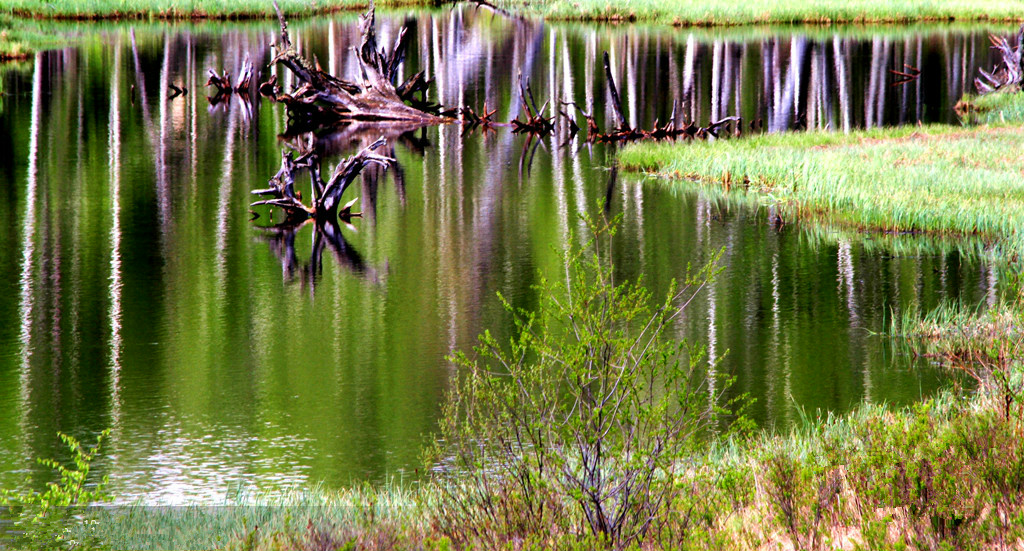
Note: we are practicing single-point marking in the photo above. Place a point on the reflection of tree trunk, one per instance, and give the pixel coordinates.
(114, 313)
(845, 110)
(26, 300)
(874, 106)
(716, 80)
(789, 99)
(919, 101)
(163, 201)
(689, 105)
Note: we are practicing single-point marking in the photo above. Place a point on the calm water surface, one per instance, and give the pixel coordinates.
(224, 354)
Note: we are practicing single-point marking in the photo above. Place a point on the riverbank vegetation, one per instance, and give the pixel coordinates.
(932, 179)
(738, 12)
(182, 10)
(675, 12)
(945, 473)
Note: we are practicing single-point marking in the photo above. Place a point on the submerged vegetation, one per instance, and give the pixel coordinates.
(935, 179)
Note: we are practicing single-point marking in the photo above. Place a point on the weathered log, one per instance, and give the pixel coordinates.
(1008, 73)
(329, 99)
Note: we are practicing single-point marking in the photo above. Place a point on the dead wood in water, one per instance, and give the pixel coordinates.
(1006, 75)
(326, 99)
(623, 132)
(244, 85)
(536, 123)
(326, 195)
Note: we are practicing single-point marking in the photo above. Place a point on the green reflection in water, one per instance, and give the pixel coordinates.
(138, 295)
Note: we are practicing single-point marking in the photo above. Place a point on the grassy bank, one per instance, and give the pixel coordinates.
(182, 9)
(738, 12)
(937, 179)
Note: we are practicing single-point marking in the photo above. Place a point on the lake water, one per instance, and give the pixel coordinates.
(137, 294)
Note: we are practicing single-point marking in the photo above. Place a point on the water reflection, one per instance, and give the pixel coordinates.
(147, 300)
(115, 288)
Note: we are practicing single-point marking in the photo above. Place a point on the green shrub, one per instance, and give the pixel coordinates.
(582, 423)
(56, 518)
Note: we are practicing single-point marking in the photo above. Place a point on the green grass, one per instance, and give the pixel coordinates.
(940, 180)
(742, 12)
(181, 9)
(997, 108)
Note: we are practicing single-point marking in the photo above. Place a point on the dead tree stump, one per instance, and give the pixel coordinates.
(326, 99)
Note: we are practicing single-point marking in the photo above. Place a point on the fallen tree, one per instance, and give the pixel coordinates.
(325, 99)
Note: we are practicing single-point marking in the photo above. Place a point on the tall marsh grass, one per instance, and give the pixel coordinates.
(936, 179)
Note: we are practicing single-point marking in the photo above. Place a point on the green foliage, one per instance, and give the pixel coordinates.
(48, 519)
(583, 420)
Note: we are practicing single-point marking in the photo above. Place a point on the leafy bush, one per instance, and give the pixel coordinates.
(581, 424)
(47, 520)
